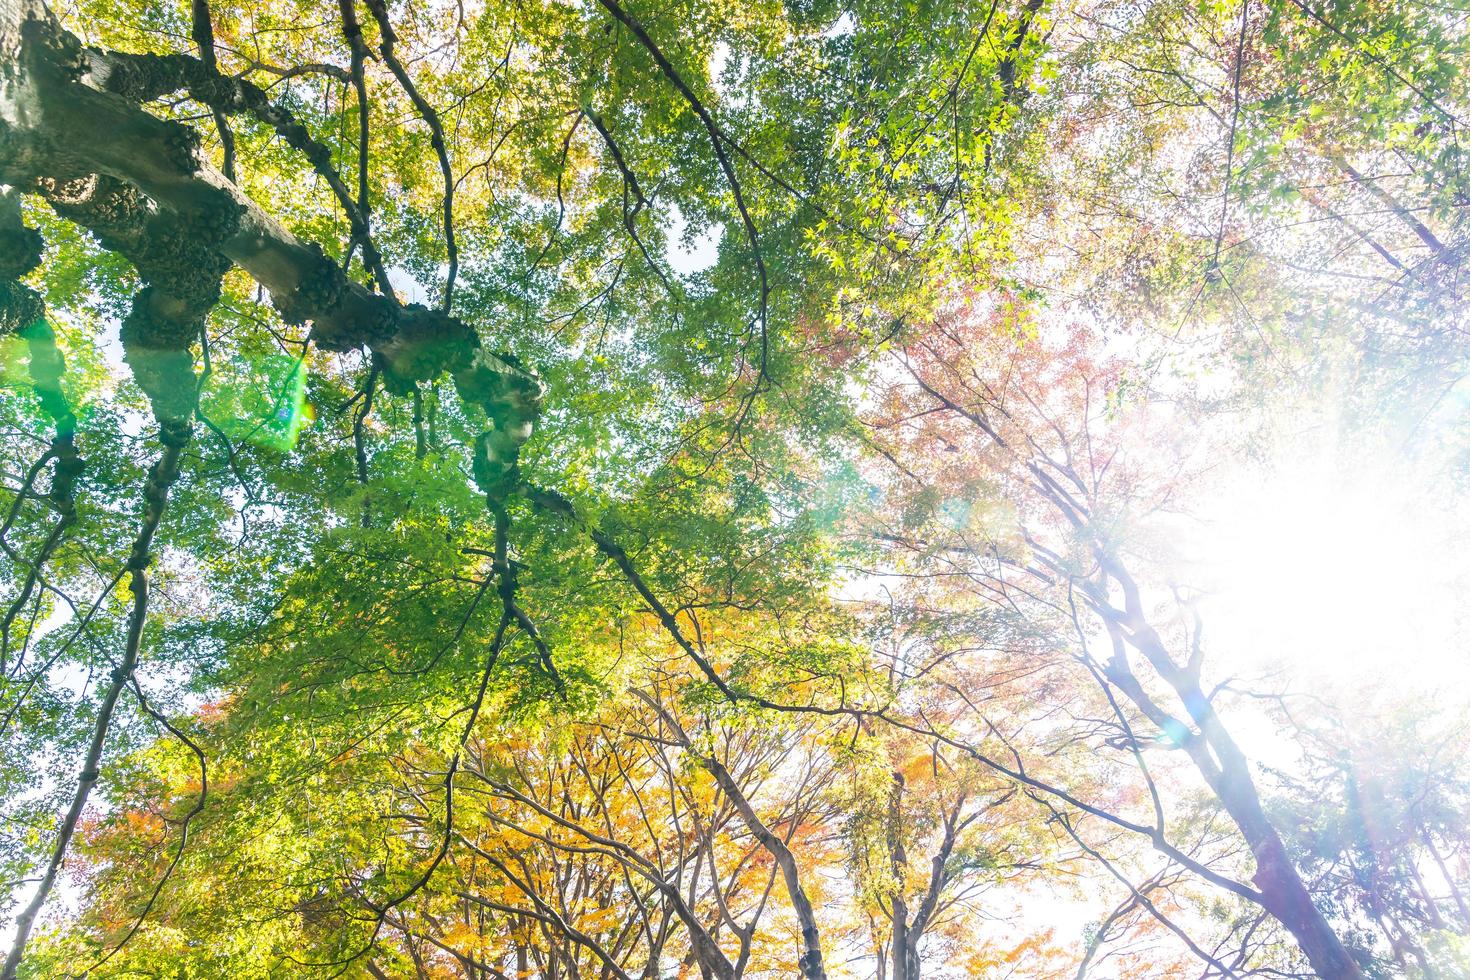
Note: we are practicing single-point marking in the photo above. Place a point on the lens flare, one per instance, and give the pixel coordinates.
(261, 402)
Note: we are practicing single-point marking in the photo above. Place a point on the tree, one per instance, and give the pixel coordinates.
(618, 488)
(1026, 415)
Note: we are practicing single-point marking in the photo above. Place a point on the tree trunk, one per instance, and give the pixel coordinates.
(905, 939)
(810, 963)
(1282, 891)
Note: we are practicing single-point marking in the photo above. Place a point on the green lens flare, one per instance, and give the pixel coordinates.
(261, 402)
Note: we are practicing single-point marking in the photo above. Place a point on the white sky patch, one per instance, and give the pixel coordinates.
(690, 254)
(409, 289)
(842, 26)
(718, 60)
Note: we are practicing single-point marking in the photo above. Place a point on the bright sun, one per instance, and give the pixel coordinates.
(1339, 575)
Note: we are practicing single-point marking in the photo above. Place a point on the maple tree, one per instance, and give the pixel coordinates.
(548, 489)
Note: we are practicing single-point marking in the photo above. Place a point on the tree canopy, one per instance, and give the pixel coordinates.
(555, 489)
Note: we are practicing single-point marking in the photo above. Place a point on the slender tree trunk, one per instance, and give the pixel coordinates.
(810, 964)
(905, 941)
(1283, 893)
(900, 940)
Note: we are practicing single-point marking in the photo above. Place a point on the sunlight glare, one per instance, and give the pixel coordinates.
(1338, 575)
